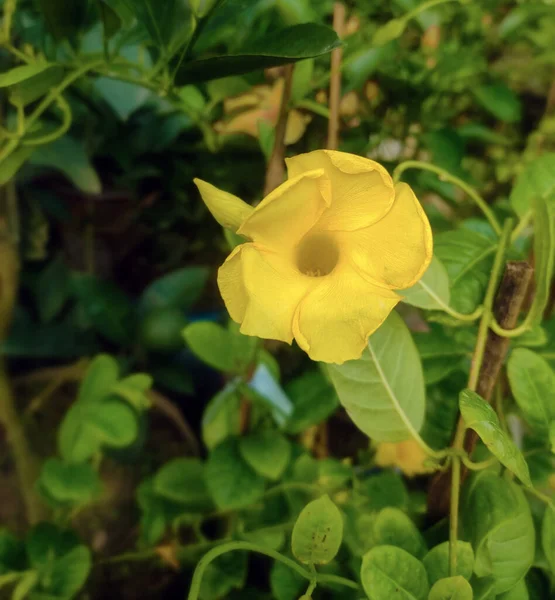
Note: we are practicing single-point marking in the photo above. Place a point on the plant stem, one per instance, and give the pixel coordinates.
(248, 547)
(335, 78)
(314, 107)
(477, 359)
(446, 176)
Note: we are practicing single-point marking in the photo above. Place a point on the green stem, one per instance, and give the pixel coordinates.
(478, 466)
(446, 176)
(62, 129)
(477, 360)
(522, 224)
(248, 547)
(313, 583)
(9, 11)
(51, 97)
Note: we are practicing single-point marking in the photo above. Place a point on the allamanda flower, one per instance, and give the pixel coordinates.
(326, 251)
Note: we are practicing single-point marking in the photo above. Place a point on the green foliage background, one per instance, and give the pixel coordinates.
(141, 432)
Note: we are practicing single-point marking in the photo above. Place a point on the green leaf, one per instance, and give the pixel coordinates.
(222, 416)
(314, 400)
(389, 32)
(12, 553)
(123, 97)
(101, 376)
(108, 308)
(220, 348)
(68, 155)
(231, 481)
(537, 180)
(518, 592)
(451, 588)
(359, 66)
(384, 489)
(548, 536)
(480, 416)
(52, 289)
(441, 354)
(72, 483)
(267, 452)
(11, 165)
(227, 572)
(87, 428)
(500, 101)
(496, 517)
(63, 17)
(279, 48)
(181, 480)
(533, 385)
(19, 74)
(318, 532)
(484, 588)
(383, 391)
(70, 572)
(437, 561)
(178, 289)
(285, 583)
(392, 527)
(432, 290)
(301, 85)
(27, 582)
(32, 88)
(544, 254)
(388, 572)
(467, 256)
(133, 389)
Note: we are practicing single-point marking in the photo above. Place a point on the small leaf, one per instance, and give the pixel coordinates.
(182, 480)
(500, 101)
(451, 588)
(318, 532)
(294, 43)
(102, 374)
(497, 520)
(133, 389)
(19, 74)
(392, 527)
(68, 155)
(178, 289)
(231, 481)
(32, 88)
(219, 347)
(537, 180)
(432, 290)
(267, 452)
(388, 572)
(389, 32)
(285, 583)
(72, 483)
(481, 417)
(70, 572)
(222, 416)
(437, 561)
(548, 536)
(533, 385)
(379, 401)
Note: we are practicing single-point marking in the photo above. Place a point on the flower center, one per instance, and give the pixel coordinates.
(317, 255)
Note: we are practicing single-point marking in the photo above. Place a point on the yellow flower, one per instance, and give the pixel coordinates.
(407, 455)
(327, 250)
(261, 103)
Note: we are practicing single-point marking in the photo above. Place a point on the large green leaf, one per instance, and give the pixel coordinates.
(232, 482)
(431, 291)
(318, 532)
(548, 536)
(383, 391)
(498, 522)
(181, 480)
(533, 385)
(267, 452)
(537, 180)
(467, 256)
(394, 528)
(285, 46)
(480, 416)
(388, 572)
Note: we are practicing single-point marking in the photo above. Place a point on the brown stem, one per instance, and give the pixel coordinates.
(26, 465)
(335, 78)
(276, 170)
(507, 306)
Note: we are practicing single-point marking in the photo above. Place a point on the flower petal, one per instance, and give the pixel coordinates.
(273, 290)
(245, 122)
(229, 210)
(232, 288)
(292, 209)
(397, 250)
(362, 190)
(333, 322)
(296, 126)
